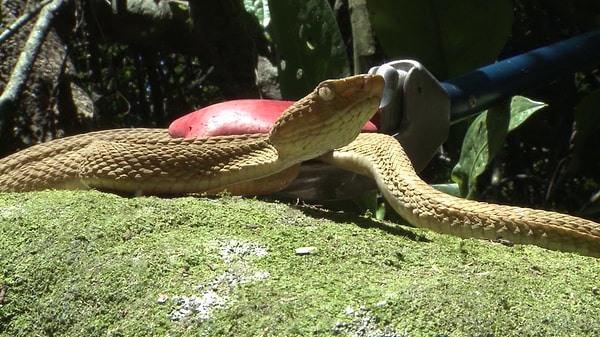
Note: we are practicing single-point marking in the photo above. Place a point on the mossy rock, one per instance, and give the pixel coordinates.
(94, 264)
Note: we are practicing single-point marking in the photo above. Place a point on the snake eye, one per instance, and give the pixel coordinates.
(325, 93)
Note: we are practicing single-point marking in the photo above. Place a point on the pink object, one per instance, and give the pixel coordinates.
(234, 118)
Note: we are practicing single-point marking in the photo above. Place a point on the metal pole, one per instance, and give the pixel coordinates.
(486, 86)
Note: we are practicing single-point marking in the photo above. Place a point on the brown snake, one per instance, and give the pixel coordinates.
(326, 125)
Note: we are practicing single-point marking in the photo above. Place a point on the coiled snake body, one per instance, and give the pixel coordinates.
(325, 125)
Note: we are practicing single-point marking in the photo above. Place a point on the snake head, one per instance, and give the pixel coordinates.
(330, 117)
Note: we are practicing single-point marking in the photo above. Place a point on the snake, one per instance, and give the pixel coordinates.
(324, 125)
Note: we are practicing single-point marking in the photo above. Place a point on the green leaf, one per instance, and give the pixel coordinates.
(451, 188)
(260, 9)
(485, 138)
(521, 108)
(308, 43)
(369, 203)
(448, 37)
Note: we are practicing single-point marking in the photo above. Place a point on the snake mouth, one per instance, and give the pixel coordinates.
(371, 86)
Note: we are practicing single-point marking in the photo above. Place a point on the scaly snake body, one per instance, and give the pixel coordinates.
(326, 125)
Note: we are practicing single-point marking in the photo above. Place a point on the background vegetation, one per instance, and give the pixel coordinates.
(90, 263)
(121, 63)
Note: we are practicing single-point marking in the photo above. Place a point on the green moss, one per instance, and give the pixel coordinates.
(89, 263)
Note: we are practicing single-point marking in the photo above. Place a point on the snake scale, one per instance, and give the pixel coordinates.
(326, 125)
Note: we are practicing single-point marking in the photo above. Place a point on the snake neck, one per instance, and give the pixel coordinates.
(382, 158)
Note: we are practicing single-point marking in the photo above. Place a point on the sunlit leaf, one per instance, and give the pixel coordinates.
(308, 43)
(485, 138)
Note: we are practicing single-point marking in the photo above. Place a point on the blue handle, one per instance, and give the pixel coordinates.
(486, 86)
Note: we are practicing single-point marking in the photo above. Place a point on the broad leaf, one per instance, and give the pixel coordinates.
(448, 37)
(309, 45)
(485, 138)
(451, 188)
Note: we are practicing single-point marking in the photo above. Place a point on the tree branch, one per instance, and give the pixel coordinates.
(21, 21)
(18, 77)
